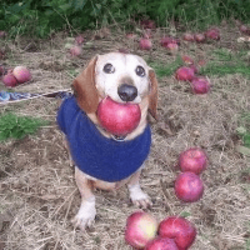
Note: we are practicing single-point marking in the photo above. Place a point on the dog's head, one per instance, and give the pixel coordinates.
(125, 78)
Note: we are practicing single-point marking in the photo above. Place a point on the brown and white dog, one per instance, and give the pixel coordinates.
(104, 76)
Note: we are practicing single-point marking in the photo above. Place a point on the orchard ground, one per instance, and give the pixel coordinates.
(39, 196)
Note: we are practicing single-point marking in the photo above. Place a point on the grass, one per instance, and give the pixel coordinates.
(225, 63)
(17, 127)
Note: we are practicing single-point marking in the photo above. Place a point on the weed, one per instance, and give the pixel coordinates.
(17, 127)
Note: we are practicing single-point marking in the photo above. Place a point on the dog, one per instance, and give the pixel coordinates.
(104, 160)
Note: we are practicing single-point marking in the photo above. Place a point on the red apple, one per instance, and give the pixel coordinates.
(243, 28)
(184, 74)
(180, 229)
(168, 39)
(161, 243)
(141, 227)
(189, 187)
(148, 24)
(172, 46)
(188, 37)
(213, 34)
(199, 38)
(9, 80)
(200, 85)
(79, 40)
(118, 118)
(187, 60)
(75, 50)
(22, 74)
(193, 160)
(145, 44)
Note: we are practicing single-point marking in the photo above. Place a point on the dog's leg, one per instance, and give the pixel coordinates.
(138, 197)
(87, 211)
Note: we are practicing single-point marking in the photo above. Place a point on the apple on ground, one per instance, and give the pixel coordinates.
(213, 34)
(161, 243)
(199, 38)
(9, 80)
(188, 187)
(188, 37)
(141, 227)
(180, 229)
(145, 44)
(184, 74)
(193, 160)
(200, 85)
(22, 74)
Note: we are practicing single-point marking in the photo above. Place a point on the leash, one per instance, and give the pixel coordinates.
(14, 97)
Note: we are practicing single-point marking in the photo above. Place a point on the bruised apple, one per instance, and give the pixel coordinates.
(180, 229)
(22, 74)
(141, 227)
(189, 187)
(118, 118)
(161, 243)
(193, 160)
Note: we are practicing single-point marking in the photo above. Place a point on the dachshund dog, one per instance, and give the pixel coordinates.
(104, 160)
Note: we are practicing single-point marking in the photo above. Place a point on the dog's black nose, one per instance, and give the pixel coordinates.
(127, 92)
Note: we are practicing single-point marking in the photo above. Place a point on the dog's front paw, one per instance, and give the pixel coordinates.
(85, 215)
(138, 197)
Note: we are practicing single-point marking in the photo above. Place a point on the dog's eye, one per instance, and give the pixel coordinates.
(140, 71)
(109, 68)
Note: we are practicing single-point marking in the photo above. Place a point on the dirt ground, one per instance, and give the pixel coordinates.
(38, 196)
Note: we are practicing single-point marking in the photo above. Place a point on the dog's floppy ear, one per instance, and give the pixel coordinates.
(153, 95)
(85, 89)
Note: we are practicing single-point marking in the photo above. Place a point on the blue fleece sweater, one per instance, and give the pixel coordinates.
(97, 156)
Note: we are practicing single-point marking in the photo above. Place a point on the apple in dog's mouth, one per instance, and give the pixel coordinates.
(119, 119)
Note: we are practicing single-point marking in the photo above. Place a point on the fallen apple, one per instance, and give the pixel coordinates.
(173, 47)
(169, 40)
(148, 24)
(145, 44)
(244, 29)
(193, 160)
(188, 187)
(180, 229)
(22, 74)
(199, 38)
(75, 50)
(188, 37)
(187, 60)
(200, 85)
(161, 243)
(79, 40)
(213, 34)
(118, 118)
(9, 80)
(141, 227)
(184, 74)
